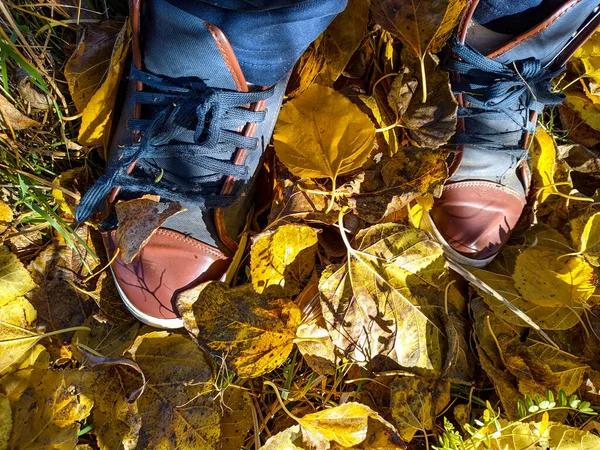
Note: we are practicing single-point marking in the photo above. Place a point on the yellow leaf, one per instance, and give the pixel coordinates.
(6, 422)
(17, 338)
(415, 402)
(281, 259)
(543, 155)
(587, 109)
(315, 344)
(14, 278)
(236, 420)
(544, 278)
(555, 436)
(253, 332)
(346, 425)
(96, 117)
(418, 210)
(48, 408)
(288, 439)
(109, 339)
(378, 302)
(177, 408)
(76, 180)
(590, 240)
(87, 67)
(6, 216)
(322, 134)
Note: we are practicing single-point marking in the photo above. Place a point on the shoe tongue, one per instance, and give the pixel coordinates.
(177, 44)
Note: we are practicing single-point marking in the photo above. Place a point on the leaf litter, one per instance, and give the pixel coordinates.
(344, 327)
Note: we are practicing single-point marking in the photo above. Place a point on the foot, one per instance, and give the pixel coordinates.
(190, 120)
(502, 83)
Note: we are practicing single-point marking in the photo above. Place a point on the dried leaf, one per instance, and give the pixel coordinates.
(138, 221)
(11, 117)
(346, 425)
(89, 64)
(321, 134)
(543, 156)
(14, 278)
(379, 301)
(281, 259)
(6, 422)
(254, 333)
(58, 302)
(543, 277)
(48, 407)
(77, 181)
(556, 437)
(590, 240)
(17, 335)
(315, 345)
(108, 339)
(97, 114)
(116, 421)
(416, 402)
(288, 439)
(177, 409)
(6, 216)
(341, 39)
(422, 26)
(236, 420)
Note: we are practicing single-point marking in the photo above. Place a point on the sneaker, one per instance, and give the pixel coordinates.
(191, 130)
(502, 84)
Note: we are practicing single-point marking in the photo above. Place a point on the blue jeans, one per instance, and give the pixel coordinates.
(268, 36)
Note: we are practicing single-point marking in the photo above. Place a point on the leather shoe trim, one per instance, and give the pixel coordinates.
(475, 218)
(168, 263)
(229, 57)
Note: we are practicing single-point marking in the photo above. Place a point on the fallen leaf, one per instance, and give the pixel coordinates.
(14, 278)
(346, 425)
(108, 300)
(77, 181)
(315, 345)
(543, 157)
(48, 407)
(6, 217)
(288, 439)
(378, 302)
(177, 409)
(254, 333)
(60, 304)
(138, 221)
(236, 419)
(89, 64)
(117, 422)
(281, 259)
(11, 117)
(458, 367)
(556, 437)
(97, 114)
(107, 339)
(341, 39)
(416, 402)
(423, 26)
(6, 422)
(590, 240)
(544, 278)
(17, 335)
(587, 110)
(321, 134)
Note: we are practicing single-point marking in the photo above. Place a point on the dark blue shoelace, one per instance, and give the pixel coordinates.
(494, 91)
(194, 122)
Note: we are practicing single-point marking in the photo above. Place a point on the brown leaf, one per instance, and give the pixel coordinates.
(110, 340)
(11, 117)
(138, 221)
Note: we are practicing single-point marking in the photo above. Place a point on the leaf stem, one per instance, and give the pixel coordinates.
(423, 78)
(332, 200)
(276, 389)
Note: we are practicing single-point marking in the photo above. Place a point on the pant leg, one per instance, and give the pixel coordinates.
(268, 36)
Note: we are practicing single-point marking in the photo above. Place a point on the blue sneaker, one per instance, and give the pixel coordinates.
(502, 83)
(191, 130)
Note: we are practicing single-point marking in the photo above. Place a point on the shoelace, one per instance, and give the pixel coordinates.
(194, 123)
(493, 91)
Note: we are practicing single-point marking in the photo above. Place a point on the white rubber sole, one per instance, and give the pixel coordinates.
(428, 225)
(170, 324)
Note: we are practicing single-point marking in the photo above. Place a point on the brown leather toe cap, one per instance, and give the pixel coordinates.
(168, 263)
(476, 218)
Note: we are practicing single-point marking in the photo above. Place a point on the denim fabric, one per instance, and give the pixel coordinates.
(268, 37)
(514, 17)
